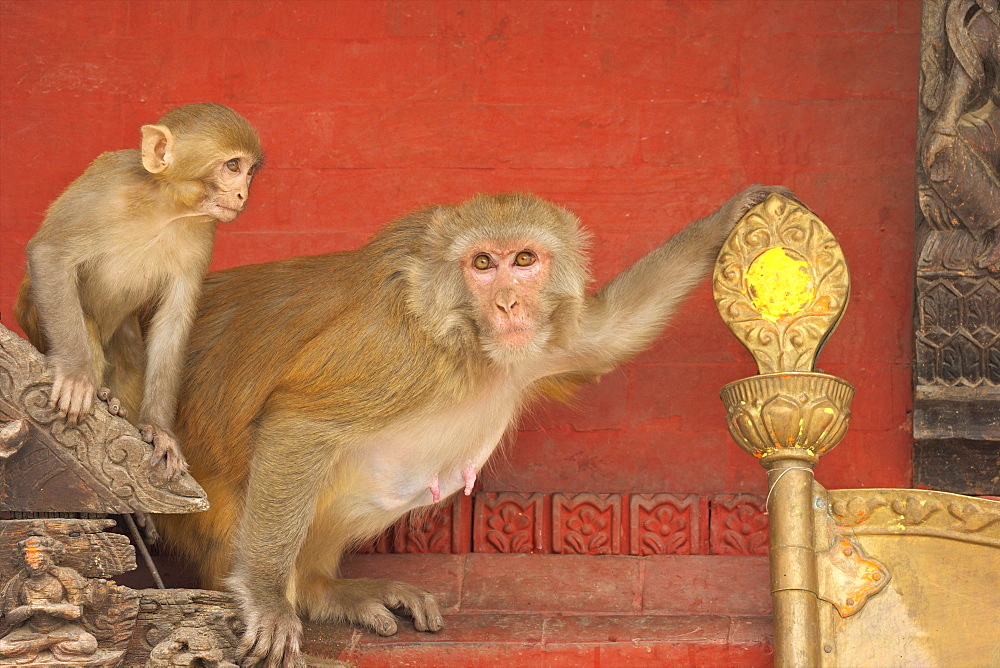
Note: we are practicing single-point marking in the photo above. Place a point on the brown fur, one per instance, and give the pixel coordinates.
(115, 270)
(323, 394)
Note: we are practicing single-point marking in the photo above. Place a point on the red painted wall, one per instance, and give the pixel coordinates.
(639, 116)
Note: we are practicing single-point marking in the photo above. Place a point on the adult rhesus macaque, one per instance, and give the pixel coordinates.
(115, 271)
(324, 397)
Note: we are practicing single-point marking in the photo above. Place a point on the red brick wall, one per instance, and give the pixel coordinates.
(639, 116)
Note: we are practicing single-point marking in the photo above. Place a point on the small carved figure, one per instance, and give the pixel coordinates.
(191, 643)
(961, 149)
(43, 603)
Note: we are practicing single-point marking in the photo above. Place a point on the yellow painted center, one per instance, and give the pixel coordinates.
(779, 284)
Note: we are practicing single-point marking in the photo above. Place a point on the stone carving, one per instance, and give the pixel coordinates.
(665, 524)
(739, 526)
(99, 465)
(586, 523)
(427, 531)
(508, 522)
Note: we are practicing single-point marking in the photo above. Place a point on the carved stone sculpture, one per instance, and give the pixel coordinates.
(957, 346)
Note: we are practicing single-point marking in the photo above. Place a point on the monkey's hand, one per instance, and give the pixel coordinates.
(739, 204)
(165, 447)
(72, 394)
(368, 603)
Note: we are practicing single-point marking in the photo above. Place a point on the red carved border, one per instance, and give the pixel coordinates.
(583, 523)
(586, 523)
(739, 525)
(666, 524)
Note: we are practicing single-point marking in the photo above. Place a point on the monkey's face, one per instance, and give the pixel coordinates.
(507, 280)
(229, 187)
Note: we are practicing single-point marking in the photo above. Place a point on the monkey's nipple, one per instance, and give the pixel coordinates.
(435, 489)
(469, 473)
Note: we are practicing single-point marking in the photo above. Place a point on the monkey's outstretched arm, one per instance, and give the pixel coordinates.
(631, 310)
(55, 293)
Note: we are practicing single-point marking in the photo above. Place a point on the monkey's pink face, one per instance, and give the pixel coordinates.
(507, 279)
(231, 188)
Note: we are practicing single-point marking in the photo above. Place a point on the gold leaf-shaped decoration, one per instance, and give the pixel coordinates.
(781, 284)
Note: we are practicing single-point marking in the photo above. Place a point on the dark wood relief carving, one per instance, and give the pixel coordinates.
(171, 627)
(957, 315)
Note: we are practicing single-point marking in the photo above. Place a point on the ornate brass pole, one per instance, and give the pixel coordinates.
(781, 285)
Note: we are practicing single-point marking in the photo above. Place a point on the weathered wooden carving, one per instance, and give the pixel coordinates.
(58, 607)
(957, 340)
(185, 627)
(99, 465)
(58, 603)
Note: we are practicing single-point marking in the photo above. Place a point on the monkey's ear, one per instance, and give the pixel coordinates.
(157, 148)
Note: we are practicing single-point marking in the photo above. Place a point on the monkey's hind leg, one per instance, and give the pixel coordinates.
(126, 371)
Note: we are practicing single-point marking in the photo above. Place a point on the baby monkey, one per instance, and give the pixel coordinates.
(115, 271)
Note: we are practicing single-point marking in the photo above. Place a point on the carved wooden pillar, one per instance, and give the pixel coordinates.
(956, 412)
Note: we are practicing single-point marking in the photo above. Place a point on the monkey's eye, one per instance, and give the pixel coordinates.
(233, 165)
(482, 262)
(524, 259)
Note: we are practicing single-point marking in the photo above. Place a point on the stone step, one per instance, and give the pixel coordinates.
(567, 610)
(516, 640)
(516, 610)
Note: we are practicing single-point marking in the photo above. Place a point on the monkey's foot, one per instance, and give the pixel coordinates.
(165, 447)
(272, 640)
(369, 603)
(114, 403)
(147, 527)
